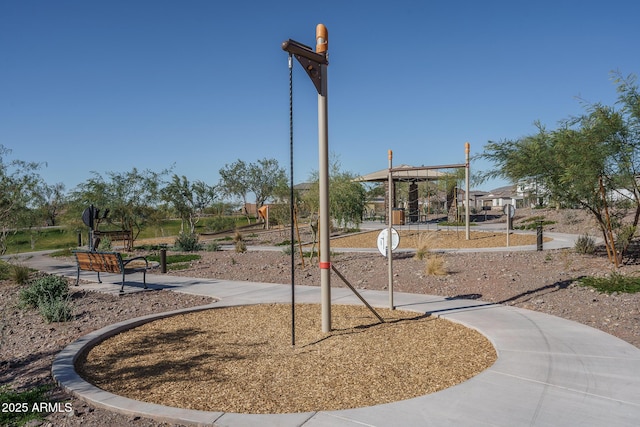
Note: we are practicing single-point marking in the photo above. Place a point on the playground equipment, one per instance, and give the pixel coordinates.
(413, 175)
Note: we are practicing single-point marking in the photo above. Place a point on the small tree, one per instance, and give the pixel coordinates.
(591, 161)
(262, 179)
(131, 197)
(19, 186)
(347, 198)
(234, 180)
(188, 199)
(265, 178)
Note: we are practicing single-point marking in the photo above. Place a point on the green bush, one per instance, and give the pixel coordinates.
(43, 289)
(585, 244)
(187, 242)
(50, 295)
(56, 309)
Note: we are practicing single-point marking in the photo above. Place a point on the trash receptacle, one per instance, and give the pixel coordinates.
(397, 216)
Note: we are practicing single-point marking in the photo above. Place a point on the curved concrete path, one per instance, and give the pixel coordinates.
(549, 372)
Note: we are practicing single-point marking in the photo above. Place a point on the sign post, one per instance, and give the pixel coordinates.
(390, 230)
(510, 211)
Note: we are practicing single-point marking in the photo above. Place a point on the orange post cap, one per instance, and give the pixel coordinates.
(322, 38)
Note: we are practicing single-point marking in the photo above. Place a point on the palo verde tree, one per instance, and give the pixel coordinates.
(234, 180)
(131, 197)
(591, 161)
(188, 199)
(265, 177)
(347, 198)
(262, 178)
(19, 186)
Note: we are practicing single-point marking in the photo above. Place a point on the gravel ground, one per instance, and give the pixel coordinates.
(541, 281)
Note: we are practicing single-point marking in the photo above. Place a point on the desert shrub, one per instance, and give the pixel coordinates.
(50, 295)
(19, 274)
(240, 244)
(105, 244)
(585, 244)
(212, 247)
(56, 309)
(42, 289)
(435, 265)
(188, 242)
(423, 246)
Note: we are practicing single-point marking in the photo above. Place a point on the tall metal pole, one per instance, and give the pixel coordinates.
(323, 154)
(389, 235)
(467, 216)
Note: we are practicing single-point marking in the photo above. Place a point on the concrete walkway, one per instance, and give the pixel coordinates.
(549, 372)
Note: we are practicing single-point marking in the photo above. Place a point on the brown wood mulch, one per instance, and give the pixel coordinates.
(240, 359)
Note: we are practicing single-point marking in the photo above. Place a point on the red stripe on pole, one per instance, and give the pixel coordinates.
(325, 265)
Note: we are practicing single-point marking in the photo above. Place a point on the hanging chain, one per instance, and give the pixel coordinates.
(291, 201)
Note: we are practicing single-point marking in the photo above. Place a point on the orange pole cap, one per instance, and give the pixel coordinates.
(322, 38)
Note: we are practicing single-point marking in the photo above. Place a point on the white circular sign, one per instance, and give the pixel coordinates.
(509, 210)
(383, 237)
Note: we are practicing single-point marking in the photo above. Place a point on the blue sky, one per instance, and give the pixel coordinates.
(111, 85)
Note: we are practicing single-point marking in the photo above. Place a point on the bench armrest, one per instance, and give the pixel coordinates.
(146, 262)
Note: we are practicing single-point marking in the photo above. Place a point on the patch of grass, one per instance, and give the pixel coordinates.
(177, 267)
(42, 239)
(424, 245)
(20, 274)
(62, 253)
(435, 265)
(175, 259)
(21, 400)
(615, 282)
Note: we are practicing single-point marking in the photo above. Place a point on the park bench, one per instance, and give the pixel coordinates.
(113, 236)
(110, 262)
